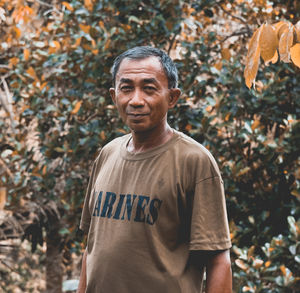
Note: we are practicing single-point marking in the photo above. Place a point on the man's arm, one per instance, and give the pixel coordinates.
(82, 279)
(218, 269)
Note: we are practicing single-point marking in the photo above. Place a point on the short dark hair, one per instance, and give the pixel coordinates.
(143, 52)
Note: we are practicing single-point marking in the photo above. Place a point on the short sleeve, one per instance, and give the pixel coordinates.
(209, 224)
(86, 214)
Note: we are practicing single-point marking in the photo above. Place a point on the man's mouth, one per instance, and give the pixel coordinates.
(137, 114)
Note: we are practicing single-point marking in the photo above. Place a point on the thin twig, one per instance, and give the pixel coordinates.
(234, 16)
(45, 4)
(171, 43)
(53, 8)
(2, 163)
(239, 33)
(7, 265)
(87, 119)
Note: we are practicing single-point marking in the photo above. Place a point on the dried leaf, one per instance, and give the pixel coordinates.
(285, 43)
(107, 44)
(255, 124)
(13, 61)
(17, 32)
(275, 57)
(55, 46)
(68, 6)
(218, 65)
(268, 42)
(252, 60)
(44, 170)
(2, 197)
(88, 4)
(85, 28)
(241, 264)
(283, 270)
(77, 107)
(280, 28)
(267, 264)
(295, 54)
(31, 72)
(297, 30)
(26, 53)
(225, 52)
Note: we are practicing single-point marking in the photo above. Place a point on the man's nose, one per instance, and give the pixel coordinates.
(137, 99)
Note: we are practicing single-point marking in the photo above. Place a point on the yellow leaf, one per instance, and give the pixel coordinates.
(268, 42)
(2, 197)
(101, 24)
(56, 44)
(243, 171)
(26, 53)
(43, 85)
(280, 28)
(295, 54)
(88, 4)
(14, 85)
(31, 72)
(44, 171)
(17, 32)
(13, 61)
(102, 135)
(247, 289)
(51, 50)
(87, 47)
(225, 52)
(107, 43)
(257, 263)
(241, 264)
(283, 270)
(275, 58)
(267, 264)
(68, 6)
(77, 107)
(227, 116)
(255, 124)
(85, 28)
(297, 30)
(78, 42)
(188, 127)
(218, 65)
(285, 43)
(252, 59)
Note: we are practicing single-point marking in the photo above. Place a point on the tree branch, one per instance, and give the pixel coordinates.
(233, 16)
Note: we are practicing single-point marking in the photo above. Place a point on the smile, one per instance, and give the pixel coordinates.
(137, 114)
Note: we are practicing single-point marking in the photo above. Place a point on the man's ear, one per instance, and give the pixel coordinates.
(174, 96)
(112, 93)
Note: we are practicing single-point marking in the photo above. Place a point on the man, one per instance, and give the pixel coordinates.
(155, 208)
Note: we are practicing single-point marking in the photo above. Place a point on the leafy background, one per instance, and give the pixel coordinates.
(56, 112)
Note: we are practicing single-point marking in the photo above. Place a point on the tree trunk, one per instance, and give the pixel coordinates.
(54, 269)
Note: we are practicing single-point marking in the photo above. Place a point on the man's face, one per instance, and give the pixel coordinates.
(141, 94)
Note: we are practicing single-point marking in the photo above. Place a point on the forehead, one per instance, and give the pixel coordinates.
(136, 69)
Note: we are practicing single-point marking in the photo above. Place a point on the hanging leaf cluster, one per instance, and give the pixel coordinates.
(270, 42)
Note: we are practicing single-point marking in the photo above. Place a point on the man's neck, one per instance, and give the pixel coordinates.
(144, 141)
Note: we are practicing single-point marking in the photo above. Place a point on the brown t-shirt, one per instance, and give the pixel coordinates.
(144, 212)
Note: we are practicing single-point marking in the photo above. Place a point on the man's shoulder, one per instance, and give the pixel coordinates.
(116, 143)
(111, 148)
(191, 146)
(193, 153)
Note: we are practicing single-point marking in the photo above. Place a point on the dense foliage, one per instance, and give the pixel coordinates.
(56, 113)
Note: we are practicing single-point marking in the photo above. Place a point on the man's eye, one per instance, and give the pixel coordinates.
(149, 88)
(126, 88)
